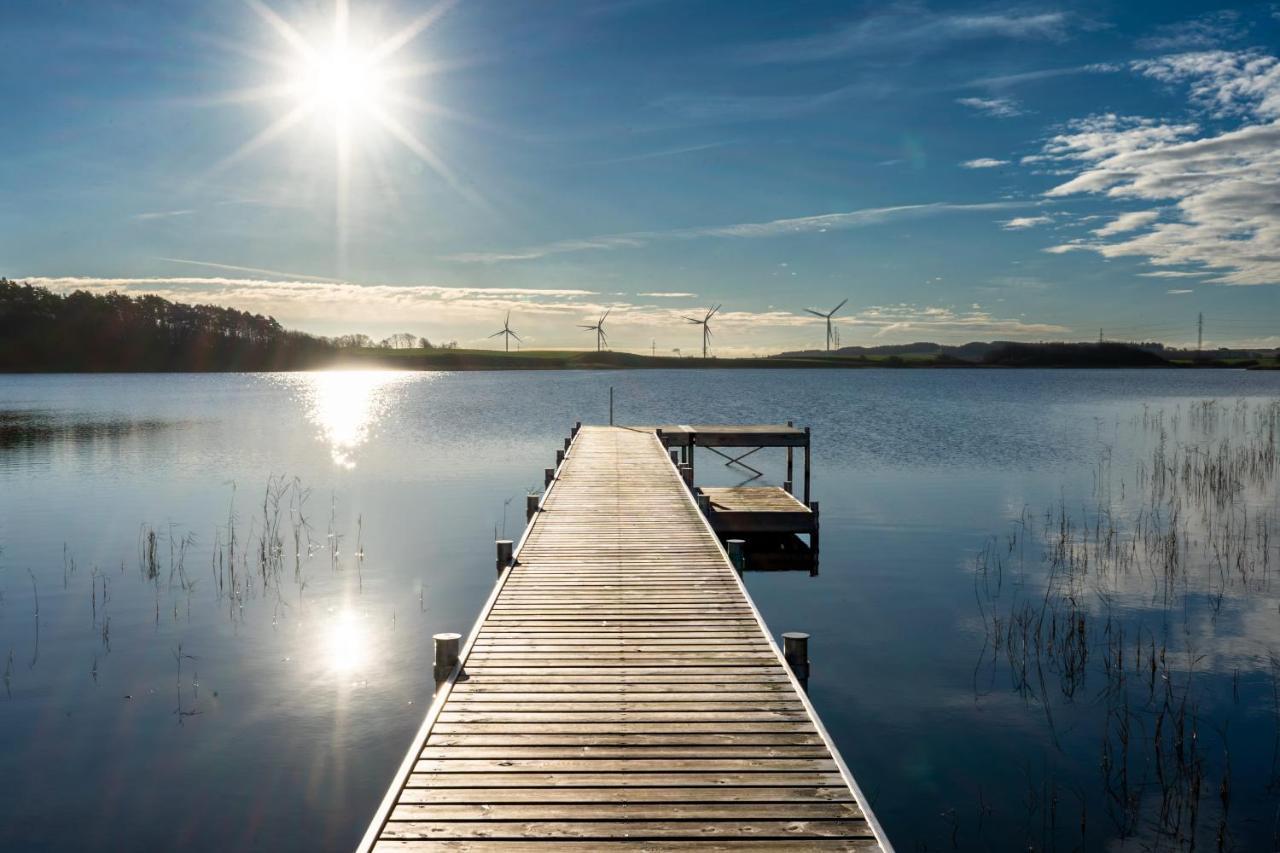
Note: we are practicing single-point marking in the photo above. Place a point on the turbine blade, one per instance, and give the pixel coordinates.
(815, 313)
(499, 332)
(514, 335)
(838, 307)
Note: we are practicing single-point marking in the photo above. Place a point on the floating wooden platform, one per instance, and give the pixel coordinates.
(621, 692)
(743, 510)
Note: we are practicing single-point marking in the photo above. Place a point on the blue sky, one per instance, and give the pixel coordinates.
(957, 171)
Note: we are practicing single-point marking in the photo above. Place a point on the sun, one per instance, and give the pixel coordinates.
(352, 80)
(335, 82)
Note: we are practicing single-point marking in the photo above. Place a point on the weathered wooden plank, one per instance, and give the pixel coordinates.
(632, 779)
(684, 794)
(737, 845)
(628, 811)
(523, 829)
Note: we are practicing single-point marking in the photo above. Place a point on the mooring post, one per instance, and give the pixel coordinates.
(504, 554)
(675, 457)
(704, 504)
(806, 466)
(446, 646)
(530, 507)
(795, 649)
(686, 473)
(568, 441)
(790, 459)
(736, 554)
(610, 405)
(788, 487)
(693, 441)
(574, 431)
(559, 457)
(548, 474)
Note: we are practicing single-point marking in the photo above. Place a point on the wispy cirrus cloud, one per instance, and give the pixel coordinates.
(984, 163)
(1008, 81)
(1211, 30)
(998, 107)
(668, 294)
(907, 26)
(820, 223)
(162, 214)
(701, 107)
(660, 154)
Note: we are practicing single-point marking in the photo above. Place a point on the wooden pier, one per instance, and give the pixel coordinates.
(621, 692)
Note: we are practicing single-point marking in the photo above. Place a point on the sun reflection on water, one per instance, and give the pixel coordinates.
(346, 642)
(346, 404)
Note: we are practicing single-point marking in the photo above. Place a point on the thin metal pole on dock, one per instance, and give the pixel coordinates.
(610, 405)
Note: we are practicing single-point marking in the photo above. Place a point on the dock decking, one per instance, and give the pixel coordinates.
(620, 692)
(757, 509)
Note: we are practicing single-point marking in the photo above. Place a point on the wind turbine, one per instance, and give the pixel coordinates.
(705, 323)
(506, 332)
(827, 317)
(598, 328)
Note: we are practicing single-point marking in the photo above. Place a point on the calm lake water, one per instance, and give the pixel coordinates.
(1046, 616)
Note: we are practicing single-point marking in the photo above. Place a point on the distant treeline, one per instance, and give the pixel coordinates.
(43, 331)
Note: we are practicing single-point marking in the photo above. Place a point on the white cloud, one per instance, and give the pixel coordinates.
(1173, 274)
(817, 224)
(668, 294)
(1131, 221)
(1180, 292)
(1226, 83)
(1021, 223)
(1214, 197)
(998, 107)
(984, 163)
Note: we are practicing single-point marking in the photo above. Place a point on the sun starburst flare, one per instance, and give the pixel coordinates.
(347, 82)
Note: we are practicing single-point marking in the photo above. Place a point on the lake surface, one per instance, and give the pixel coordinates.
(1046, 616)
